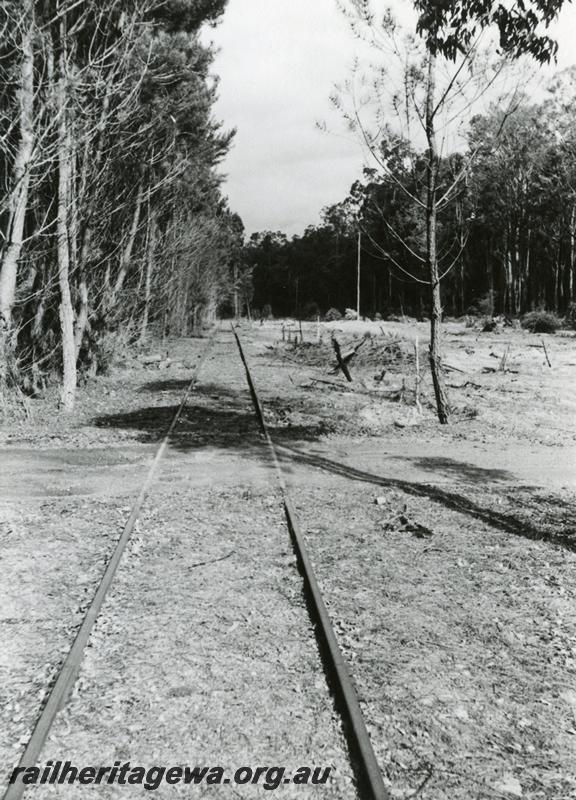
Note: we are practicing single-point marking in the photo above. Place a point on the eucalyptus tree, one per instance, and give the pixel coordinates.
(409, 108)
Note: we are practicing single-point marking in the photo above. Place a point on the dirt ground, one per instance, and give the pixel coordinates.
(446, 555)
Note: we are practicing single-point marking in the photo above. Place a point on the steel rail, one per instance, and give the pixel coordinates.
(67, 673)
(371, 783)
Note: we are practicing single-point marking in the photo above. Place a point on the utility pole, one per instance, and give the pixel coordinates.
(358, 276)
(236, 294)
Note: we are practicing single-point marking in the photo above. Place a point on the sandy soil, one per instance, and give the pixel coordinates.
(453, 596)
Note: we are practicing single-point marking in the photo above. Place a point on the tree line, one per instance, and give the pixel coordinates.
(112, 216)
(507, 244)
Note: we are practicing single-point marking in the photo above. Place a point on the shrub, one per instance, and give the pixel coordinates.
(486, 304)
(311, 311)
(571, 316)
(540, 322)
(489, 325)
(332, 315)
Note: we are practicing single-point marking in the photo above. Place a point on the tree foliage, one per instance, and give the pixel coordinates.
(451, 27)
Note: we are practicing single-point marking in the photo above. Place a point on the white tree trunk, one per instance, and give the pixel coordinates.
(18, 198)
(572, 254)
(64, 178)
(435, 355)
(150, 255)
(127, 251)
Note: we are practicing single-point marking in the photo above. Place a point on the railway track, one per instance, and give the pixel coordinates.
(369, 779)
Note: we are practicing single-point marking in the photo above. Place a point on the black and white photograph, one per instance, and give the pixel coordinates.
(288, 399)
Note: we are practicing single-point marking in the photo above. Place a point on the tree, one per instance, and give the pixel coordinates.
(435, 100)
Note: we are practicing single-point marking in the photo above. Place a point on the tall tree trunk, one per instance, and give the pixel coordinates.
(82, 318)
(508, 288)
(18, 199)
(527, 274)
(127, 251)
(78, 258)
(92, 160)
(572, 254)
(556, 297)
(490, 271)
(83, 307)
(149, 269)
(64, 179)
(442, 405)
(236, 293)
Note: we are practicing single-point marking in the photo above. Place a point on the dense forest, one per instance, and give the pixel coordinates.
(112, 215)
(506, 245)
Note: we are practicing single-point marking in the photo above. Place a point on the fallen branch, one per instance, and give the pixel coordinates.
(464, 385)
(494, 369)
(335, 384)
(400, 522)
(422, 786)
(212, 561)
(454, 369)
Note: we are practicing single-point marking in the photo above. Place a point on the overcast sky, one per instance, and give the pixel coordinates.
(278, 63)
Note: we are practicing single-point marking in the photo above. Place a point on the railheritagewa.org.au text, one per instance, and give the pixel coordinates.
(151, 778)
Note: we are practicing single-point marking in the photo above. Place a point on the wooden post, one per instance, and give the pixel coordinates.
(417, 389)
(546, 353)
(236, 294)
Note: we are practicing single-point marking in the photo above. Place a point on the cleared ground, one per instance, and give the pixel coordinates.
(454, 597)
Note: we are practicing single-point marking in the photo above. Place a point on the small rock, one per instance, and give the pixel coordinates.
(381, 501)
(461, 713)
(569, 697)
(509, 784)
